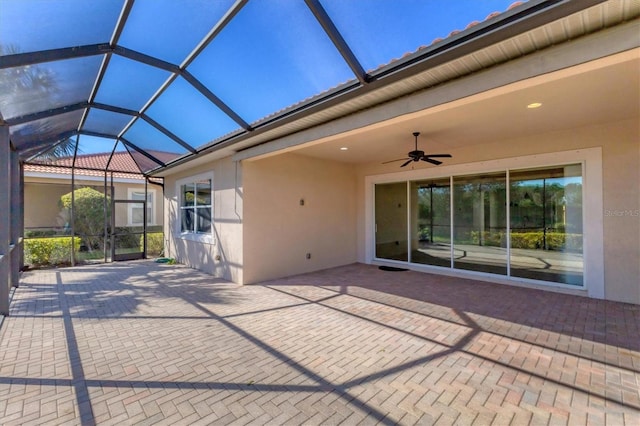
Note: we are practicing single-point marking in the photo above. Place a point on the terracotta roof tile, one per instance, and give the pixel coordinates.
(61, 170)
(122, 164)
(121, 161)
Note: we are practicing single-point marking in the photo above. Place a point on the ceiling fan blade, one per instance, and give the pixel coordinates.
(417, 155)
(429, 160)
(399, 159)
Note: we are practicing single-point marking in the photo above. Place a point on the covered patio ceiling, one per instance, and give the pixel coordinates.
(601, 91)
(168, 81)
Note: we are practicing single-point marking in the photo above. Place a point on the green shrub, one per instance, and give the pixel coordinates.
(526, 240)
(530, 240)
(32, 233)
(555, 241)
(495, 239)
(155, 243)
(129, 237)
(49, 251)
(89, 214)
(423, 234)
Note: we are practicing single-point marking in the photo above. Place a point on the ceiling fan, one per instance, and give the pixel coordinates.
(417, 155)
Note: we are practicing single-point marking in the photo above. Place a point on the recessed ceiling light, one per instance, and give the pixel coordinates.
(534, 105)
(344, 148)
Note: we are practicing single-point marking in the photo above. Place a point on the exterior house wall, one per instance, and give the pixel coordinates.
(121, 191)
(42, 196)
(41, 208)
(621, 164)
(272, 234)
(221, 257)
(275, 232)
(621, 194)
(279, 231)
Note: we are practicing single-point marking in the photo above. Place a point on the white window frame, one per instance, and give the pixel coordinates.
(204, 238)
(151, 205)
(592, 181)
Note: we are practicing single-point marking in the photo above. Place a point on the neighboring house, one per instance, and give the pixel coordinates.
(46, 183)
(544, 196)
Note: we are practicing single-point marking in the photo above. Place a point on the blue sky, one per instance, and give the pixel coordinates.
(272, 55)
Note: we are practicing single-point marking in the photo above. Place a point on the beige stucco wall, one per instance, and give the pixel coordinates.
(223, 257)
(620, 143)
(621, 165)
(121, 192)
(279, 232)
(263, 232)
(42, 196)
(41, 205)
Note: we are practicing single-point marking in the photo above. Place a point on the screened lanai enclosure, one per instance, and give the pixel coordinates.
(98, 97)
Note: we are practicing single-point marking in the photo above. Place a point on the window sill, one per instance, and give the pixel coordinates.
(199, 238)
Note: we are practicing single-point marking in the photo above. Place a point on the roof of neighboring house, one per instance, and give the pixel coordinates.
(122, 164)
(60, 170)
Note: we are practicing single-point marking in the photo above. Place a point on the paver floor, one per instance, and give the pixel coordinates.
(144, 343)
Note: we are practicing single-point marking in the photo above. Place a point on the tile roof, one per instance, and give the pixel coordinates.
(61, 170)
(122, 164)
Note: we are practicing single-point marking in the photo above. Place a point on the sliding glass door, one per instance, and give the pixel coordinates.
(391, 221)
(431, 222)
(480, 223)
(524, 223)
(546, 224)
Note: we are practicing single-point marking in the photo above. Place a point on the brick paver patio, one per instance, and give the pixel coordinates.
(143, 343)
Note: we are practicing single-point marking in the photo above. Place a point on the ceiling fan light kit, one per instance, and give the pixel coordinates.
(418, 155)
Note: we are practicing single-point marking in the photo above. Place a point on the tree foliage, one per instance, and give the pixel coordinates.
(62, 149)
(89, 215)
(28, 85)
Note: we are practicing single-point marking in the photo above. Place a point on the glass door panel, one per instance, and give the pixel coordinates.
(431, 222)
(391, 221)
(546, 224)
(480, 221)
(127, 238)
